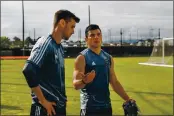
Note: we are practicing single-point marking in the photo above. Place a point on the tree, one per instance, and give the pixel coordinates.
(5, 42)
(17, 43)
(29, 41)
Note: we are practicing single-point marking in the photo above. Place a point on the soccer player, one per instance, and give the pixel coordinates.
(93, 71)
(44, 69)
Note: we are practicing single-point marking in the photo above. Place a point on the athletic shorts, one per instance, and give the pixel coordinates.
(38, 110)
(97, 112)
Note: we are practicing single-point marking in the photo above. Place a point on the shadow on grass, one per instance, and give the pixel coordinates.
(15, 92)
(151, 93)
(151, 104)
(7, 107)
(143, 95)
(14, 84)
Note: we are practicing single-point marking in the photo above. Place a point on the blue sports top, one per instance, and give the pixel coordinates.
(48, 56)
(96, 95)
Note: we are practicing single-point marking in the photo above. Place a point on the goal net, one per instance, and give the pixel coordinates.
(162, 53)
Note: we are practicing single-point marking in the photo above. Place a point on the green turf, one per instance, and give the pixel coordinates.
(151, 87)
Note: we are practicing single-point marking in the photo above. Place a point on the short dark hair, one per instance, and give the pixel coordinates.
(91, 27)
(66, 15)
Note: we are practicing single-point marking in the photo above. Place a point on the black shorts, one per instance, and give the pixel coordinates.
(38, 110)
(97, 112)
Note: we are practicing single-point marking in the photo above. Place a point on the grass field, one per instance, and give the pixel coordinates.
(151, 87)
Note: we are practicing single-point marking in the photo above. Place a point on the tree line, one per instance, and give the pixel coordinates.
(16, 42)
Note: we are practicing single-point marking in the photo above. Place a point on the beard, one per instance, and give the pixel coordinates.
(64, 34)
(65, 38)
(98, 46)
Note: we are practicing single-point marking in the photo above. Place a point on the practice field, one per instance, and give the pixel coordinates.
(151, 87)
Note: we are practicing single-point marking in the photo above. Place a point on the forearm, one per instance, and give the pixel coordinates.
(78, 84)
(38, 93)
(30, 74)
(120, 90)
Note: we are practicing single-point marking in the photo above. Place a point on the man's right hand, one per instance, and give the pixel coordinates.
(89, 77)
(49, 107)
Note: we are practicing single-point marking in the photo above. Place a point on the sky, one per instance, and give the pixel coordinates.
(138, 19)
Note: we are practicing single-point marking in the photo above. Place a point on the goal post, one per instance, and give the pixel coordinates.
(162, 53)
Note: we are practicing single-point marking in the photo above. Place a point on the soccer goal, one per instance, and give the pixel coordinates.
(162, 53)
